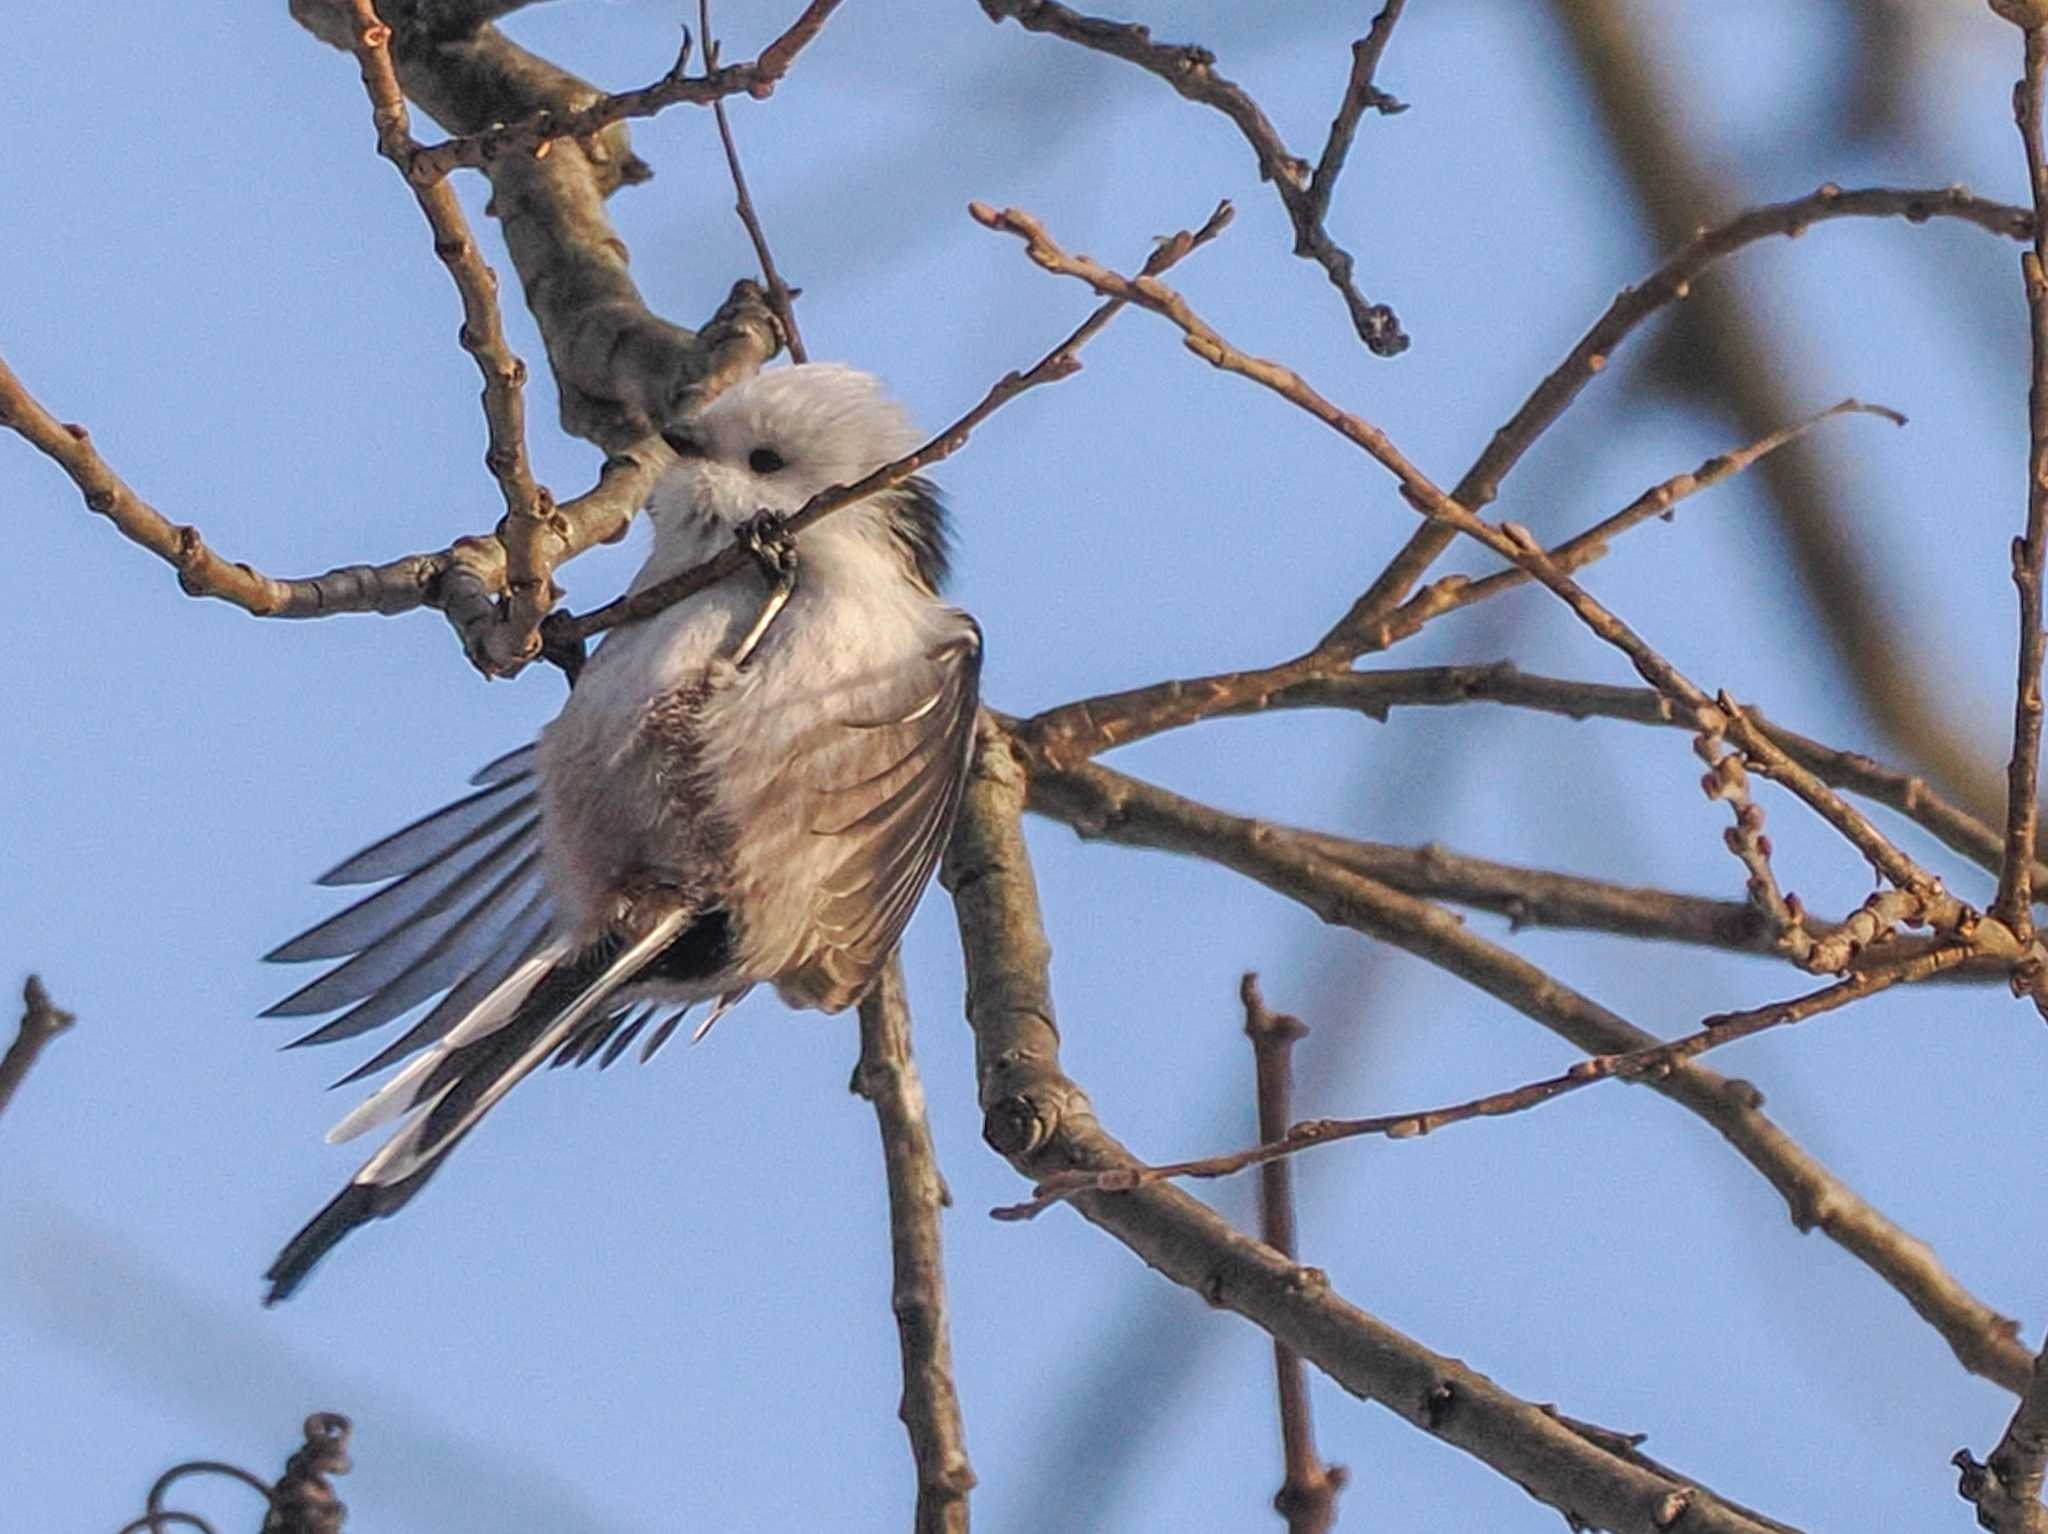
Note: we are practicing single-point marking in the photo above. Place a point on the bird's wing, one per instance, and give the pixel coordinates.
(462, 908)
(882, 782)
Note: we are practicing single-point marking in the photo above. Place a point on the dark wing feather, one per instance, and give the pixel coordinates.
(463, 904)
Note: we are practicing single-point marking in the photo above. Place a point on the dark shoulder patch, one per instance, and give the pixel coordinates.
(917, 518)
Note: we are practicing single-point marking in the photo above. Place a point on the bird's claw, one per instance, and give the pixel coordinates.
(767, 537)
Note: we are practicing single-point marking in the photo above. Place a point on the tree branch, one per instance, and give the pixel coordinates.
(1359, 93)
(781, 298)
(1038, 1118)
(1101, 804)
(1061, 362)
(41, 1021)
(887, 1077)
(623, 371)
(2015, 900)
(1307, 1498)
(1192, 72)
(538, 134)
(1356, 631)
(1278, 1143)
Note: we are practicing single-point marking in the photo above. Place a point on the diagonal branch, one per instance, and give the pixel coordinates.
(1101, 804)
(623, 371)
(1359, 93)
(1356, 631)
(1713, 716)
(1278, 1143)
(887, 1077)
(781, 298)
(1307, 1498)
(1061, 362)
(41, 1021)
(1038, 1118)
(537, 134)
(1192, 72)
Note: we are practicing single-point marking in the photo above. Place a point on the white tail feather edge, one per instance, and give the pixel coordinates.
(402, 1155)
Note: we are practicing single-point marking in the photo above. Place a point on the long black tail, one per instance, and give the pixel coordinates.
(445, 1093)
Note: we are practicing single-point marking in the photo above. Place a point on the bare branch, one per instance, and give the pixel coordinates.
(887, 1077)
(537, 134)
(1102, 804)
(1356, 632)
(1075, 731)
(2015, 899)
(1060, 363)
(1359, 93)
(1575, 553)
(1307, 1498)
(1038, 1118)
(1517, 545)
(1641, 1064)
(41, 1021)
(530, 533)
(461, 579)
(781, 298)
(1192, 72)
(2006, 1489)
(623, 371)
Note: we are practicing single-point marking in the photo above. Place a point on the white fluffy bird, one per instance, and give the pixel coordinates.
(750, 787)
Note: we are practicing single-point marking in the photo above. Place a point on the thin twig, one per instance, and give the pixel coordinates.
(1091, 726)
(41, 1021)
(1059, 363)
(781, 297)
(1192, 72)
(887, 1077)
(432, 162)
(1647, 1064)
(1359, 93)
(1581, 549)
(1307, 1498)
(532, 532)
(2014, 902)
(1356, 632)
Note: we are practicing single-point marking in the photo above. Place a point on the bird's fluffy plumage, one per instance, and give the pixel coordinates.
(686, 828)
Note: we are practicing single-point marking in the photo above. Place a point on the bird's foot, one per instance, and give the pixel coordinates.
(767, 537)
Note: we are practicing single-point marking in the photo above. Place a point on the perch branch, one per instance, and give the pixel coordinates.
(1063, 361)
(1042, 1122)
(887, 1077)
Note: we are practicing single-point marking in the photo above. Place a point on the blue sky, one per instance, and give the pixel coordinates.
(659, 1298)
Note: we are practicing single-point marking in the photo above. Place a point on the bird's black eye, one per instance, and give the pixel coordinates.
(683, 445)
(764, 460)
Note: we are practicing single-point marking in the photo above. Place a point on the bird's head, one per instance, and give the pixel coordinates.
(776, 440)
